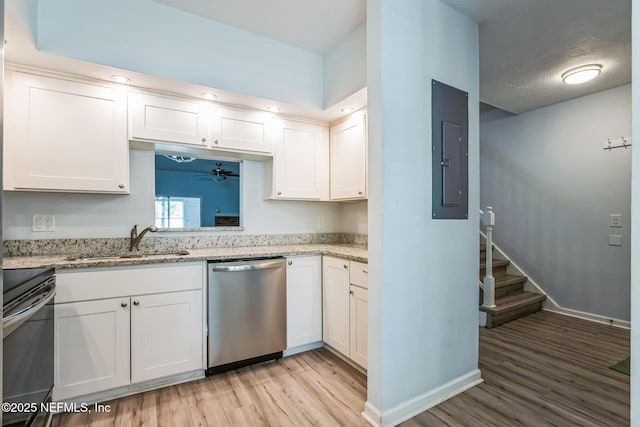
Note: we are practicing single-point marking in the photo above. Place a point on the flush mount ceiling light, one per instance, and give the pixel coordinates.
(180, 159)
(576, 76)
(120, 79)
(347, 110)
(210, 96)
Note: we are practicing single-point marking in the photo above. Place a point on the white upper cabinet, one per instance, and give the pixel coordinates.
(157, 118)
(62, 135)
(242, 130)
(349, 159)
(299, 169)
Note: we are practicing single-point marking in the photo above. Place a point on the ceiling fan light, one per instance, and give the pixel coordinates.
(583, 74)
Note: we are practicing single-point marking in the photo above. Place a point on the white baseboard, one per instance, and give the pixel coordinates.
(302, 348)
(371, 414)
(618, 323)
(416, 405)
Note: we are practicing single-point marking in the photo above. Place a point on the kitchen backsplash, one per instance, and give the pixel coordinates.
(106, 245)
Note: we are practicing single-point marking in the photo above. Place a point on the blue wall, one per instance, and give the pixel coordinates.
(222, 197)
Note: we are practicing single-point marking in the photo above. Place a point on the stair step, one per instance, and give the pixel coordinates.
(496, 263)
(513, 306)
(507, 284)
(509, 280)
(499, 267)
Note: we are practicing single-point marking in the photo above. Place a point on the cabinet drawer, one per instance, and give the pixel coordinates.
(111, 282)
(359, 274)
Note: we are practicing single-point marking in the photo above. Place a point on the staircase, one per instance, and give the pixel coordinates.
(511, 300)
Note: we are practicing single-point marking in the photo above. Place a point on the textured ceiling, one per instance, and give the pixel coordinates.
(526, 45)
(309, 24)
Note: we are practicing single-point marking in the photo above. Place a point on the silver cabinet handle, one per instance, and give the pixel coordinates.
(279, 193)
(350, 292)
(136, 302)
(346, 266)
(365, 271)
(290, 262)
(123, 304)
(360, 193)
(215, 142)
(204, 139)
(121, 186)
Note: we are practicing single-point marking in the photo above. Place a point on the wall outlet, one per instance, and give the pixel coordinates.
(320, 222)
(615, 220)
(44, 223)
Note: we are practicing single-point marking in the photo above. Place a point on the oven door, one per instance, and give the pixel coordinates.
(28, 366)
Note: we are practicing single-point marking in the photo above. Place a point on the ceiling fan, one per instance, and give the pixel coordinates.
(218, 172)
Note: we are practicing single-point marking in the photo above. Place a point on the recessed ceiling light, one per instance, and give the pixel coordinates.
(347, 110)
(273, 109)
(120, 79)
(208, 95)
(576, 76)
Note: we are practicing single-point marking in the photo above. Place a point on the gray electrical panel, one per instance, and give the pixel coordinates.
(450, 152)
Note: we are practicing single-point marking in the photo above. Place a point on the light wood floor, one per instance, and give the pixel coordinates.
(542, 370)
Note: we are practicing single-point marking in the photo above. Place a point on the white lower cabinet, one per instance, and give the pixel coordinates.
(125, 325)
(345, 308)
(304, 300)
(166, 334)
(358, 325)
(91, 346)
(335, 307)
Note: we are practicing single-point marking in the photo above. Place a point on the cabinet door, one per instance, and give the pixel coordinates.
(65, 136)
(335, 303)
(358, 312)
(242, 130)
(349, 159)
(300, 161)
(91, 347)
(166, 334)
(165, 119)
(304, 300)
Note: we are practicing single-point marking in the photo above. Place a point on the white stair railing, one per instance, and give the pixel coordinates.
(489, 282)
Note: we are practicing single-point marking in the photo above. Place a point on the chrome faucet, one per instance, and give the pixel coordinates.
(135, 237)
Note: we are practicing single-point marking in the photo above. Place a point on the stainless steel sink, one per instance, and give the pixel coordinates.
(126, 255)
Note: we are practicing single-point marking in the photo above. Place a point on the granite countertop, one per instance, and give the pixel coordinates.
(351, 252)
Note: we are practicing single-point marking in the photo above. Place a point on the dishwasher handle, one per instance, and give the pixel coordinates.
(247, 267)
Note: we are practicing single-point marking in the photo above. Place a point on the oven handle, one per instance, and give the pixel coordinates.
(13, 321)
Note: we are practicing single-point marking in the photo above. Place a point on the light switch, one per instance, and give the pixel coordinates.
(615, 220)
(615, 240)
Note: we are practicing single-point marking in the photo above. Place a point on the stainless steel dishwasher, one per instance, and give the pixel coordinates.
(247, 312)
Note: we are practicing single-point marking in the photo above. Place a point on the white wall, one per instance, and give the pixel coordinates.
(93, 215)
(553, 188)
(353, 217)
(345, 67)
(635, 220)
(148, 37)
(423, 294)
